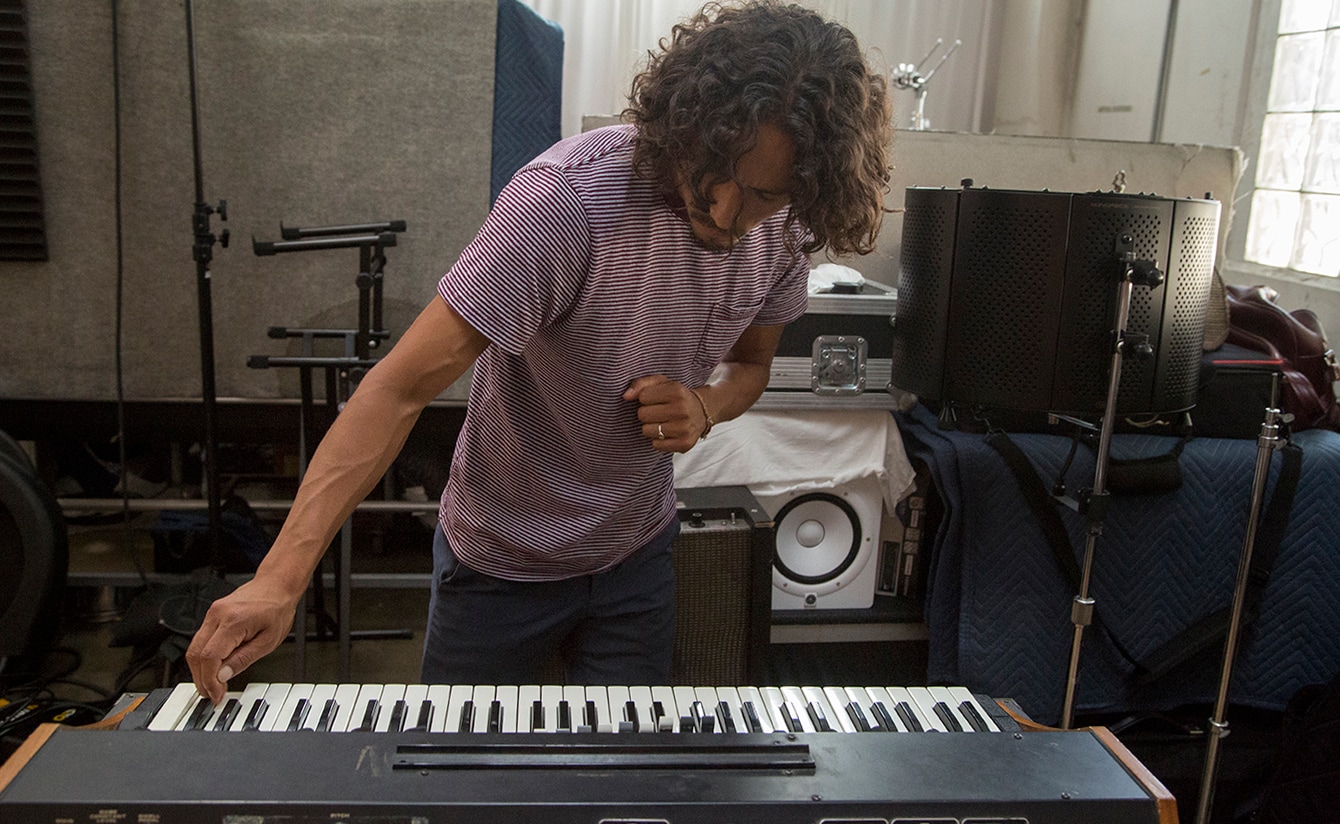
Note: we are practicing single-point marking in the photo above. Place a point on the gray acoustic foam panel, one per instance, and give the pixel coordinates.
(312, 113)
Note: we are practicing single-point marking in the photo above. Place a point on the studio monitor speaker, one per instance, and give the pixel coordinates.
(34, 560)
(826, 546)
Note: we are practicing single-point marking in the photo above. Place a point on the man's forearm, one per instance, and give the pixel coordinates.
(352, 457)
(367, 436)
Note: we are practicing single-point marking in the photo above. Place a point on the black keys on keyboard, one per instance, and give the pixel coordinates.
(597, 709)
(298, 715)
(369, 721)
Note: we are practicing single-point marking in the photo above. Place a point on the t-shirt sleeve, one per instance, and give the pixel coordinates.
(527, 265)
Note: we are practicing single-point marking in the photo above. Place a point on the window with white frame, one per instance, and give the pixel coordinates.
(1295, 215)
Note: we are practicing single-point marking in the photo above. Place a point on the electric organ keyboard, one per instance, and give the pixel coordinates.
(422, 754)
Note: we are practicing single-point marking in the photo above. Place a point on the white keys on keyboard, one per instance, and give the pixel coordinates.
(439, 698)
(957, 697)
(598, 704)
(386, 707)
(528, 719)
(174, 710)
(456, 705)
(282, 717)
(550, 695)
(820, 711)
(618, 702)
(415, 717)
(794, 710)
(346, 697)
(534, 708)
(682, 707)
(482, 699)
(318, 702)
(837, 702)
(925, 705)
(730, 711)
(663, 701)
(704, 710)
(643, 702)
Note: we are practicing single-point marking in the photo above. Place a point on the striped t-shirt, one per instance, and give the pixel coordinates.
(583, 278)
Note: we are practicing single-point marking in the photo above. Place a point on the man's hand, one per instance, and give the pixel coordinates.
(672, 417)
(238, 630)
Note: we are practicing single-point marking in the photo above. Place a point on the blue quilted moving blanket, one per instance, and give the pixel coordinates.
(998, 607)
(527, 90)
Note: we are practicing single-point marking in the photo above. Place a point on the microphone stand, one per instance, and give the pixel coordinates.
(203, 252)
(1267, 442)
(1094, 503)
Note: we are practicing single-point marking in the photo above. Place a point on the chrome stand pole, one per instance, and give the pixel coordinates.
(1133, 271)
(1081, 610)
(1266, 443)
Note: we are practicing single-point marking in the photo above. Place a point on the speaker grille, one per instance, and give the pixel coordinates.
(713, 596)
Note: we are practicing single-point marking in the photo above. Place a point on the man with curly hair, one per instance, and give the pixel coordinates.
(627, 291)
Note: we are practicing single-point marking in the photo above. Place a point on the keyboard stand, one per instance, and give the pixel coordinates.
(341, 374)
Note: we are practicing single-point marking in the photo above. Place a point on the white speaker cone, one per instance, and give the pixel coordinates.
(818, 538)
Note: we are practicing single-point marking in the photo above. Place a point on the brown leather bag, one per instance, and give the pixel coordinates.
(1310, 369)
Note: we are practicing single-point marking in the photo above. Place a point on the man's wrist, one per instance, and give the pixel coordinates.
(707, 415)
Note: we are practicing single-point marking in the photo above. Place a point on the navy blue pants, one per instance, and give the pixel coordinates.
(614, 627)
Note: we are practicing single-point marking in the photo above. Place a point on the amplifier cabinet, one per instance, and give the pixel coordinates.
(723, 562)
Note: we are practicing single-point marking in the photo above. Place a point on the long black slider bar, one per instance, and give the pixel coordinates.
(296, 232)
(274, 247)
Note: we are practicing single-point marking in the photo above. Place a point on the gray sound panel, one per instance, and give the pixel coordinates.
(312, 112)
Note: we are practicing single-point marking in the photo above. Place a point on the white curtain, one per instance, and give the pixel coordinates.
(606, 43)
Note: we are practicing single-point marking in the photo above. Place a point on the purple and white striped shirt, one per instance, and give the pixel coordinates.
(583, 279)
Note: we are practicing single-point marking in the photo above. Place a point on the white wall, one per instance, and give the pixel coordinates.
(1206, 88)
(1120, 61)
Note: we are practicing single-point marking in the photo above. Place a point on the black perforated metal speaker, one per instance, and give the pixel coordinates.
(1007, 299)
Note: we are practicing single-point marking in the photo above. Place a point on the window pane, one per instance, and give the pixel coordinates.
(1335, 13)
(1284, 147)
(1303, 15)
(1323, 160)
(1270, 232)
(1328, 94)
(1317, 248)
(1293, 86)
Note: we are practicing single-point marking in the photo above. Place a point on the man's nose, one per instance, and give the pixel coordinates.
(725, 208)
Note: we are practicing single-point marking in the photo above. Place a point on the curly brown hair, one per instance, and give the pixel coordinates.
(700, 100)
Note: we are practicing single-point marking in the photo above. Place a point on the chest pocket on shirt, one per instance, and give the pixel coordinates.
(725, 323)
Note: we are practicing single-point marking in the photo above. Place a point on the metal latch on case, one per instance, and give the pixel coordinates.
(838, 365)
